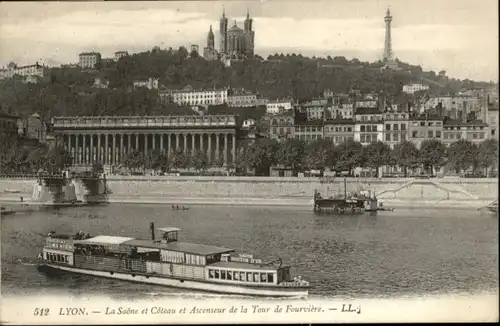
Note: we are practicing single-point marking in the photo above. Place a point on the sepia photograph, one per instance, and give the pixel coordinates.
(272, 161)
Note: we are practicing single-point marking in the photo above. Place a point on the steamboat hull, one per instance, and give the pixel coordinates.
(199, 285)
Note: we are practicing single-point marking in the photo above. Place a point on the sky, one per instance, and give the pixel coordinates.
(458, 36)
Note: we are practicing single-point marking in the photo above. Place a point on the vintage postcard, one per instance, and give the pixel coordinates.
(232, 162)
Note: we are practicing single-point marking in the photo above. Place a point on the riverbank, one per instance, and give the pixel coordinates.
(269, 191)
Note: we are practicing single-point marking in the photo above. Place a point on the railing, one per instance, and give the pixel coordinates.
(145, 121)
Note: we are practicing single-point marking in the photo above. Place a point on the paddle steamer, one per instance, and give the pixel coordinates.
(169, 262)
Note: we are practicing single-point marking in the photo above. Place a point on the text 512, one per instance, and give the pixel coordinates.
(41, 312)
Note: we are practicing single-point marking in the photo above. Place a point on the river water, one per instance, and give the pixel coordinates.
(401, 253)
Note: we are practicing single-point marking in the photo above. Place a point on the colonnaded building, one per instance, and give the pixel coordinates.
(108, 140)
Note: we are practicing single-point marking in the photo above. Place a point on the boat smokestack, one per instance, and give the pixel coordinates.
(152, 227)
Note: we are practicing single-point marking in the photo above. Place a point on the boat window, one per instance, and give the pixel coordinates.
(236, 276)
(270, 278)
(256, 277)
(242, 276)
(249, 277)
(210, 273)
(222, 274)
(217, 274)
(263, 277)
(230, 275)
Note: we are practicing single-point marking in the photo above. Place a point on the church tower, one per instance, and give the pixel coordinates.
(249, 34)
(210, 39)
(223, 33)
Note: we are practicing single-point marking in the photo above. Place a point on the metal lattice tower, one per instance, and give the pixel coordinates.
(388, 55)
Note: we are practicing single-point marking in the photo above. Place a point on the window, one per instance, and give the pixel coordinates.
(395, 137)
(362, 138)
(430, 133)
(236, 276)
(270, 278)
(362, 129)
(474, 136)
(422, 124)
(229, 275)
(242, 276)
(395, 127)
(263, 277)
(387, 137)
(249, 277)
(387, 127)
(403, 127)
(222, 274)
(217, 274)
(438, 134)
(414, 134)
(256, 277)
(481, 135)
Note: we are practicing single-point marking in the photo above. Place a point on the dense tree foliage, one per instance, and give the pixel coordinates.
(31, 160)
(68, 91)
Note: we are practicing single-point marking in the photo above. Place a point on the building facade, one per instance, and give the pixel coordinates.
(275, 107)
(396, 126)
(369, 127)
(88, 60)
(493, 122)
(309, 131)
(241, 99)
(120, 54)
(108, 140)
(190, 97)
(151, 83)
(339, 130)
(413, 88)
(454, 130)
(281, 127)
(425, 128)
(12, 70)
(457, 107)
(236, 42)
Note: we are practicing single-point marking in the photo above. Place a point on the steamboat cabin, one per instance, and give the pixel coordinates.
(169, 262)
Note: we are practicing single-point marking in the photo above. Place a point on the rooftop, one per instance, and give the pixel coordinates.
(367, 110)
(461, 123)
(104, 239)
(191, 248)
(339, 122)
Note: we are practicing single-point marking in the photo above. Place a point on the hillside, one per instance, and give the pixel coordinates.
(67, 91)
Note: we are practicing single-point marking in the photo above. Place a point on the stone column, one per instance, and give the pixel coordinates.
(146, 144)
(177, 141)
(113, 151)
(185, 142)
(91, 149)
(169, 144)
(120, 157)
(209, 152)
(202, 148)
(162, 149)
(137, 142)
(99, 149)
(77, 150)
(234, 147)
(225, 149)
(84, 161)
(106, 150)
(217, 150)
(154, 142)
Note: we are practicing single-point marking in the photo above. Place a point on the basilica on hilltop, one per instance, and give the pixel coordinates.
(234, 42)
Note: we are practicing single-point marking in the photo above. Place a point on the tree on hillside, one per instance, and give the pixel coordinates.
(377, 154)
(290, 153)
(406, 156)
(462, 155)
(488, 154)
(432, 154)
(261, 155)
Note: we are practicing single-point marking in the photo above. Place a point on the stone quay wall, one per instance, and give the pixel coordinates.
(273, 190)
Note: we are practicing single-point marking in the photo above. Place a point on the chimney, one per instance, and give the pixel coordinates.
(152, 227)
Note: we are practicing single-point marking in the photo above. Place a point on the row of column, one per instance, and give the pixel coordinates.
(113, 148)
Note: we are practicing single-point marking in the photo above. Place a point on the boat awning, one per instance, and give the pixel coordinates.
(104, 240)
(169, 229)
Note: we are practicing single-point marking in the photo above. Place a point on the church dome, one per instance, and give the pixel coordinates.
(235, 29)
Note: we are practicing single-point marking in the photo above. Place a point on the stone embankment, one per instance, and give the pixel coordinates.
(279, 191)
